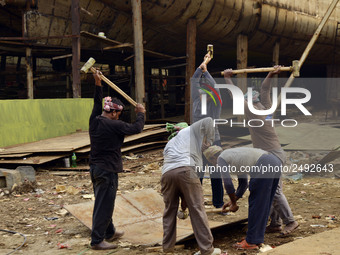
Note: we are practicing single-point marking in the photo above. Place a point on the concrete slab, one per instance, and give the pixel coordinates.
(139, 214)
(307, 136)
(332, 155)
(9, 177)
(322, 243)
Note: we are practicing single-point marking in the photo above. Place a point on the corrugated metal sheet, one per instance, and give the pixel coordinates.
(139, 214)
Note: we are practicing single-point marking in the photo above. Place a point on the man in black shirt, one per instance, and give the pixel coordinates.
(107, 134)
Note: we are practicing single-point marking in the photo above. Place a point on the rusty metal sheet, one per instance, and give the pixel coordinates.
(139, 214)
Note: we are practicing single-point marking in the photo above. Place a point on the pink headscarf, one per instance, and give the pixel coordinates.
(108, 105)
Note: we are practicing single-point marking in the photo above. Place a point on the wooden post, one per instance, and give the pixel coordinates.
(68, 78)
(76, 86)
(191, 64)
(242, 62)
(161, 93)
(276, 59)
(138, 48)
(2, 69)
(29, 71)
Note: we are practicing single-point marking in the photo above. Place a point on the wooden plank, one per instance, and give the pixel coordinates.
(83, 150)
(143, 222)
(78, 142)
(57, 144)
(150, 126)
(35, 160)
(331, 156)
(141, 145)
(143, 135)
(16, 155)
(68, 169)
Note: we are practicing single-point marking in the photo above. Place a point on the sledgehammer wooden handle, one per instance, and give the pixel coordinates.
(259, 70)
(294, 68)
(116, 88)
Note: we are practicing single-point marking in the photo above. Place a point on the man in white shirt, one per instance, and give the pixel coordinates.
(182, 155)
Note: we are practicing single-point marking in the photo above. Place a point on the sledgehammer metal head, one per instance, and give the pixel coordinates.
(210, 49)
(87, 66)
(296, 69)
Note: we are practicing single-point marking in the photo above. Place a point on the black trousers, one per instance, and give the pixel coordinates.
(105, 186)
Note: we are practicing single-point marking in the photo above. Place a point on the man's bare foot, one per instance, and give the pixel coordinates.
(290, 228)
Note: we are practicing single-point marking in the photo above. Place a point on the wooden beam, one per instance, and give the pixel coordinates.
(3, 70)
(191, 64)
(123, 45)
(37, 38)
(75, 13)
(138, 48)
(63, 56)
(29, 71)
(310, 45)
(110, 41)
(276, 59)
(242, 61)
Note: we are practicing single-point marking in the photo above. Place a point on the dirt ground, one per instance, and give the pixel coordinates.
(37, 213)
(37, 210)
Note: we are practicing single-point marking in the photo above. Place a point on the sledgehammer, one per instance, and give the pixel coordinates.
(294, 69)
(89, 66)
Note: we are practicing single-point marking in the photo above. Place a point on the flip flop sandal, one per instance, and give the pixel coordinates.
(243, 245)
(285, 233)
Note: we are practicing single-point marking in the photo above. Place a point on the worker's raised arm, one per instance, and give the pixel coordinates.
(266, 86)
(98, 96)
(228, 73)
(195, 80)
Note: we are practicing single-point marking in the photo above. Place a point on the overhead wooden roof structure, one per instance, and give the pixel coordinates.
(164, 24)
(264, 30)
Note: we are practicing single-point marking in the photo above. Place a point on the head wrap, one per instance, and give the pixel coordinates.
(175, 128)
(212, 151)
(255, 96)
(109, 106)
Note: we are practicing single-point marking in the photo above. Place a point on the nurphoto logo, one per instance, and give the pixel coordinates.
(238, 105)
